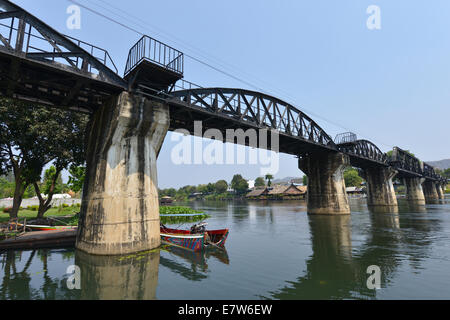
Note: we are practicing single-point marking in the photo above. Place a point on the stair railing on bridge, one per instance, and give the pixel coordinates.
(156, 52)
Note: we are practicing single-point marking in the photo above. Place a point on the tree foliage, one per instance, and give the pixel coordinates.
(76, 178)
(239, 184)
(221, 186)
(269, 179)
(260, 182)
(352, 178)
(32, 136)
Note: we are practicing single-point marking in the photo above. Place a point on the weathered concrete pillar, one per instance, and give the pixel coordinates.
(430, 191)
(326, 185)
(440, 191)
(120, 208)
(414, 190)
(380, 189)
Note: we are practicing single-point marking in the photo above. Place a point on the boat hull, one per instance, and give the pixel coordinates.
(194, 242)
(186, 241)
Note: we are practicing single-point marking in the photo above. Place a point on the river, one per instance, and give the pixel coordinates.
(274, 251)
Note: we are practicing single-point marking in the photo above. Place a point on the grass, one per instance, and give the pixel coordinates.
(31, 214)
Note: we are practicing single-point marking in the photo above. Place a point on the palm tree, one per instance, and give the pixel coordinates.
(269, 179)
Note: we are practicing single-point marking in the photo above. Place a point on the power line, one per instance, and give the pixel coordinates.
(200, 61)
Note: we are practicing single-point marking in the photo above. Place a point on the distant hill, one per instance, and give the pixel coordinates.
(285, 180)
(442, 164)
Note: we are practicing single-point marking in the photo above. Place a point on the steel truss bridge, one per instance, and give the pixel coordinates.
(41, 65)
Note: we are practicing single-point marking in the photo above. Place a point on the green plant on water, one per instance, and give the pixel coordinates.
(177, 210)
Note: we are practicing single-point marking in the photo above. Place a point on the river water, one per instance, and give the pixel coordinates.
(274, 251)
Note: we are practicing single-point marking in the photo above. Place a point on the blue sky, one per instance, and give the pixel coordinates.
(389, 86)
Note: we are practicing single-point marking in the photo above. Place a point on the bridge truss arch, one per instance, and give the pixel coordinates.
(364, 150)
(255, 109)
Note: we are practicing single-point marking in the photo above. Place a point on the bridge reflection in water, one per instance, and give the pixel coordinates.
(388, 238)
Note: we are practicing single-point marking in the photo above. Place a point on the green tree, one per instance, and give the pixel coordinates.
(269, 179)
(239, 184)
(305, 180)
(260, 182)
(391, 152)
(6, 188)
(221, 186)
(446, 173)
(52, 182)
(25, 131)
(64, 147)
(76, 178)
(352, 178)
(32, 136)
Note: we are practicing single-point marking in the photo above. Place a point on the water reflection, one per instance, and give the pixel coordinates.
(332, 271)
(275, 250)
(196, 268)
(133, 277)
(27, 275)
(336, 271)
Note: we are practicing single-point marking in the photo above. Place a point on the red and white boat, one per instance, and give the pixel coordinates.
(196, 239)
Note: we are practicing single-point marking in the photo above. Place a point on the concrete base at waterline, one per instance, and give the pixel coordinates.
(120, 208)
(380, 189)
(326, 185)
(430, 191)
(440, 191)
(414, 190)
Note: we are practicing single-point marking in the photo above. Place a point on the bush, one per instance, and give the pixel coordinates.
(7, 210)
(65, 205)
(33, 208)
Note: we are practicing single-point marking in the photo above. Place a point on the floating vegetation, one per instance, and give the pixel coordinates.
(141, 255)
(181, 215)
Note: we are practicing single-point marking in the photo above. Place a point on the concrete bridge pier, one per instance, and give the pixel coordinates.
(430, 191)
(440, 191)
(414, 190)
(326, 185)
(380, 189)
(120, 208)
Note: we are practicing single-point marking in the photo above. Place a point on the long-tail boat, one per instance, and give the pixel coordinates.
(196, 239)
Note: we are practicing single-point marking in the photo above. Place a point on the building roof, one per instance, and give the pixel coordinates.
(277, 189)
(256, 192)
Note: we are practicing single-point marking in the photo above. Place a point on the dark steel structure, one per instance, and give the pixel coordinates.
(363, 153)
(39, 64)
(238, 108)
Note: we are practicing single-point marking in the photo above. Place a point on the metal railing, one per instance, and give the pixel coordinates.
(34, 43)
(346, 137)
(156, 52)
